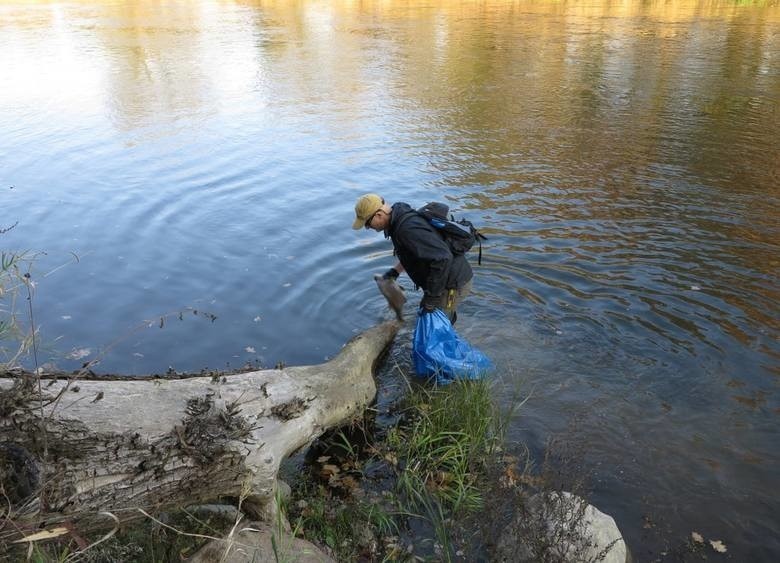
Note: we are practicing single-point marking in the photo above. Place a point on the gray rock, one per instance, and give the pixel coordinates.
(283, 489)
(255, 542)
(224, 512)
(562, 527)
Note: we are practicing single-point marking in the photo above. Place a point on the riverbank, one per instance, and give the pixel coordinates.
(406, 490)
(440, 483)
(424, 474)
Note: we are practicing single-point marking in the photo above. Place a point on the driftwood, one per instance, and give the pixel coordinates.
(76, 451)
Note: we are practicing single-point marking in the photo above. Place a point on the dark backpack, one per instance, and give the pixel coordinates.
(460, 235)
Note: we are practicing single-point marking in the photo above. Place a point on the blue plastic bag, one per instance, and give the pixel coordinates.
(438, 351)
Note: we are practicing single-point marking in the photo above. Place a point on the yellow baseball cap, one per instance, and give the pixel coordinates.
(365, 207)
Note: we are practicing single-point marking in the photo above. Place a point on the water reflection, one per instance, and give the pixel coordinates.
(622, 157)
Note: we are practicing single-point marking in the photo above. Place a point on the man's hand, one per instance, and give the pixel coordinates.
(391, 274)
(428, 304)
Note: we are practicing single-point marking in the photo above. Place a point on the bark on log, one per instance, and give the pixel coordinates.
(81, 448)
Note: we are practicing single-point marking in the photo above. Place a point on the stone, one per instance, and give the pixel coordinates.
(561, 527)
(258, 541)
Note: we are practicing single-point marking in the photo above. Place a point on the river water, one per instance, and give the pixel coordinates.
(622, 157)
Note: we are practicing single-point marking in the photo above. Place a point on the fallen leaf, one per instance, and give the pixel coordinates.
(443, 477)
(323, 459)
(718, 546)
(530, 480)
(44, 535)
(328, 468)
(349, 483)
(511, 475)
(697, 537)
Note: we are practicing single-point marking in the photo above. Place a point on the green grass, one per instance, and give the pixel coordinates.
(437, 460)
(10, 280)
(445, 445)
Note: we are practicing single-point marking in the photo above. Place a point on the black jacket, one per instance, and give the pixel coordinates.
(424, 253)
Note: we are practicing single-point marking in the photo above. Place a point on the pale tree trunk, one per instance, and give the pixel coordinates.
(81, 449)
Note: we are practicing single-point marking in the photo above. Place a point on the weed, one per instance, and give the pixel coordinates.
(349, 527)
(429, 468)
(445, 444)
(169, 537)
(15, 339)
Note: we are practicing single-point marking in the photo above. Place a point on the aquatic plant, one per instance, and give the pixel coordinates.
(15, 340)
(449, 434)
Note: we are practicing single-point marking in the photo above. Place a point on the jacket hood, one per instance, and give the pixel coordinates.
(398, 210)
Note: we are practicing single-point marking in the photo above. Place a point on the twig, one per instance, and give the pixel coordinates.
(6, 229)
(245, 490)
(50, 272)
(74, 556)
(164, 525)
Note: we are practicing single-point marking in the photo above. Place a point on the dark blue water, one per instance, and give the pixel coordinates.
(623, 161)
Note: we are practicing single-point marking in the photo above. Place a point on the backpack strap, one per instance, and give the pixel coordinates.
(404, 218)
(477, 235)
(480, 237)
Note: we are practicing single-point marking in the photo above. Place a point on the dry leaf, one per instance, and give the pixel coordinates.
(349, 483)
(531, 480)
(44, 535)
(718, 546)
(511, 475)
(697, 537)
(329, 468)
(443, 477)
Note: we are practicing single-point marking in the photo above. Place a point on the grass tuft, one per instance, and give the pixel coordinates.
(445, 445)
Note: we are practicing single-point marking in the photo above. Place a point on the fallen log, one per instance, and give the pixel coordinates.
(77, 455)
